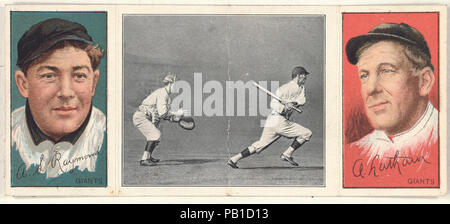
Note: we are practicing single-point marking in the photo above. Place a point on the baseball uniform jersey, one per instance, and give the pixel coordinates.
(379, 160)
(155, 107)
(278, 123)
(77, 150)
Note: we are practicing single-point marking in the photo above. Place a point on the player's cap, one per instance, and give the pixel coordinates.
(44, 35)
(169, 79)
(299, 70)
(387, 31)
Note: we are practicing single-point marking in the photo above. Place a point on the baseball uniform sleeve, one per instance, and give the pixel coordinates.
(146, 105)
(162, 105)
(275, 104)
(301, 99)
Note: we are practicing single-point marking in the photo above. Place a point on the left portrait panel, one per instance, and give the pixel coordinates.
(58, 98)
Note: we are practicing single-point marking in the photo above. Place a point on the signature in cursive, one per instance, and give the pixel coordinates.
(378, 165)
(55, 161)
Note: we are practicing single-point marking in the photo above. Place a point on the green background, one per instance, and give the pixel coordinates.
(96, 25)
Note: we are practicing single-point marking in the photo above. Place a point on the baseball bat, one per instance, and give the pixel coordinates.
(273, 95)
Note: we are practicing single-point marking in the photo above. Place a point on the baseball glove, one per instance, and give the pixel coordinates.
(187, 122)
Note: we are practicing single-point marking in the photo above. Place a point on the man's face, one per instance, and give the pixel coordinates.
(60, 90)
(301, 79)
(389, 87)
(172, 89)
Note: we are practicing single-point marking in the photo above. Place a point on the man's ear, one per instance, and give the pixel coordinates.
(95, 81)
(426, 81)
(22, 83)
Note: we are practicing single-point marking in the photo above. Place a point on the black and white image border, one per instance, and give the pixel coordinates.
(216, 59)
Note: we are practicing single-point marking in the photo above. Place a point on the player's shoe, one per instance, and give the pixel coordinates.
(288, 159)
(147, 162)
(232, 164)
(155, 160)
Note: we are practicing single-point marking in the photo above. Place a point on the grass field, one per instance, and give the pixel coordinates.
(198, 157)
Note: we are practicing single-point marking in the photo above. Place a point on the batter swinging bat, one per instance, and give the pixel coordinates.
(273, 95)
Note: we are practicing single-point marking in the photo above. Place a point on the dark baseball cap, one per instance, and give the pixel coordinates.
(298, 71)
(402, 32)
(44, 35)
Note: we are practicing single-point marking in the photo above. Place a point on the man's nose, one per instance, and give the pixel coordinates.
(66, 87)
(373, 85)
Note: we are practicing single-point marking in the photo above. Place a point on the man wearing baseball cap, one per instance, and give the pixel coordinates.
(155, 107)
(58, 130)
(396, 76)
(292, 94)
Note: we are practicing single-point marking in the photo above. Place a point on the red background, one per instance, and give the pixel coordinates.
(355, 24)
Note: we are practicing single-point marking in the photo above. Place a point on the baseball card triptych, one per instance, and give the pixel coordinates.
(224, 101)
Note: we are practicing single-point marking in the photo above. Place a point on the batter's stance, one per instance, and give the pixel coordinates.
(292, 94)
(147, 117)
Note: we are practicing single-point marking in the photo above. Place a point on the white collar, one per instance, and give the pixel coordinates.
(412, 132)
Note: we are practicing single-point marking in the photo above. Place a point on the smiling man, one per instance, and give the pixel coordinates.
(58, 130)
(396, 75)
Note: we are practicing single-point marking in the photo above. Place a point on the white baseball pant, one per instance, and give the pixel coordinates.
(146, 127)
(277, 126)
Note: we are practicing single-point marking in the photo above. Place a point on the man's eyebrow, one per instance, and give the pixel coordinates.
(53, 68)
(363, 71)
(386, 64)
(79, 67)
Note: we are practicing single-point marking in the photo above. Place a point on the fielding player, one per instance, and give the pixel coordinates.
(147, 117)
(292, 94)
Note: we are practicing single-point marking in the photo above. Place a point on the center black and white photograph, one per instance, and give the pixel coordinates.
(221, 100)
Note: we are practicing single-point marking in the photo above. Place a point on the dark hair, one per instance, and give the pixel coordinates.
(94, 53)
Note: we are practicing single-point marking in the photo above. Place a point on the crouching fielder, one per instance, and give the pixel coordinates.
(147, 117)
(292, 94)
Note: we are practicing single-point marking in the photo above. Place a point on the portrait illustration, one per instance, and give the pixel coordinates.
(58, 99)
(391, 100)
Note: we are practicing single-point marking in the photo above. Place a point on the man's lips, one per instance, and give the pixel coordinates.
(65, 109)
(378, 106)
